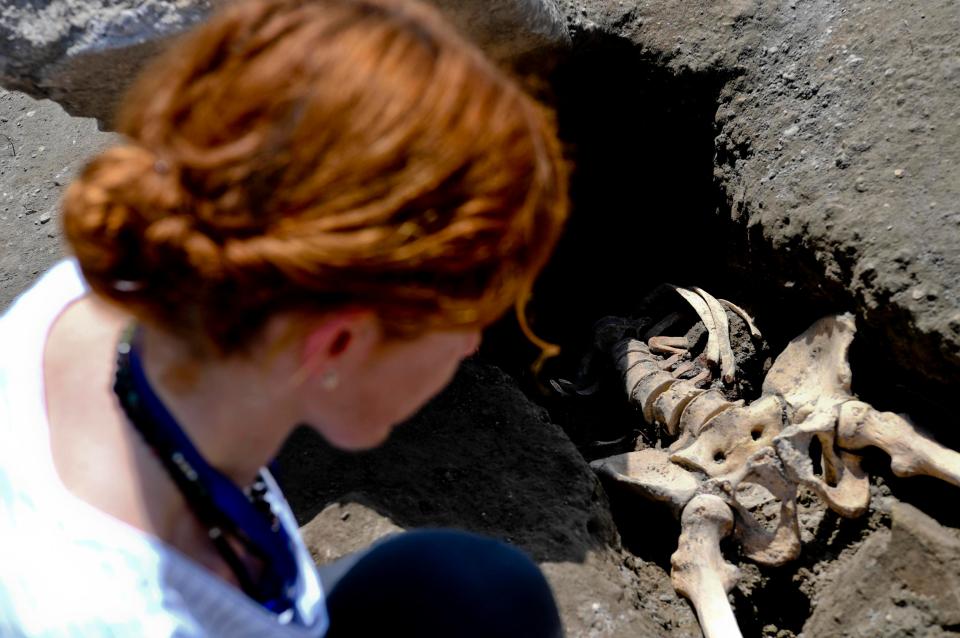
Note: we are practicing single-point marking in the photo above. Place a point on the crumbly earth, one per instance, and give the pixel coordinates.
(40, 150)
(798, 157)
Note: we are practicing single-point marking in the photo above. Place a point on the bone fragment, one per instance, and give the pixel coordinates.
(671, 345)
(650, 473)
(728, 365)
(700, 306)
(747, 319)
(700, 378)
(668, 407)
(699, 571)
(634, 361)
(727, 440)
(782, 545)
(683, 368)
(697, 413)
(628, 350)
(671, 361)
(813, 369)
(844, 486)
(911, 453)
(645, 393)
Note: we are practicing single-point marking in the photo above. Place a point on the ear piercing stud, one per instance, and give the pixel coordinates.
(330, 380)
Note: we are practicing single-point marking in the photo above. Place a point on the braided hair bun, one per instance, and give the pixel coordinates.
(299, 155)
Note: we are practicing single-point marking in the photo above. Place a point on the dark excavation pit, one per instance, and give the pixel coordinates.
(641, 142)
(647, 210)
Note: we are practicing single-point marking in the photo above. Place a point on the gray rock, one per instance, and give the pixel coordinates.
(902, 583)
(877, 82)
(514, 32)
(84, 53)
(684, 36)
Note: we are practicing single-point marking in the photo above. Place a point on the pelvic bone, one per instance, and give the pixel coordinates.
(725, 448)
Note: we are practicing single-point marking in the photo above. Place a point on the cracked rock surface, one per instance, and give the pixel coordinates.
(84, 53)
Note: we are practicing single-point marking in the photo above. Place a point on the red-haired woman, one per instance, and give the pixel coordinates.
(317, 207)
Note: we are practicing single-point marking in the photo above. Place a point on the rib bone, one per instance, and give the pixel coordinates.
(911, 452)
(728, 366)
(699, 571)
(703, 311)
(747, 319)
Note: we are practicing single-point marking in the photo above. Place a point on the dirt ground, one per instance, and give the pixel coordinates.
(40, 149)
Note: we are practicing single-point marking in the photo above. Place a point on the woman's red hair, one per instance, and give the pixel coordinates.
(299, 155)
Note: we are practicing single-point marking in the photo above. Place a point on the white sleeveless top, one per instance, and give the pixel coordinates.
(69, 569)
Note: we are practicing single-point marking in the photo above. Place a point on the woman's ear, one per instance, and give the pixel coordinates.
(340, 342)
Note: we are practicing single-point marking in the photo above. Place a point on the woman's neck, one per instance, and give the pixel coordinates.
(237, 411)
(233, 413)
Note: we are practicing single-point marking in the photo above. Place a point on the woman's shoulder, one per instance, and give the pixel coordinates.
(48, 295)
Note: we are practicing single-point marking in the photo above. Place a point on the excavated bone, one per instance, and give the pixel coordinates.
(747, 319)
(634, 362)
(699, 571)
(672, 345)
(629, 351)
(669, 406)
(813, 369)
(728, 365)
(650, 473)
(712, 350)
(645, 393)
(683, 368)
(782, 545)
(730, 438)
(844, 486)
(672, 360)
(760, 451)
(911, 453)
(698, 412)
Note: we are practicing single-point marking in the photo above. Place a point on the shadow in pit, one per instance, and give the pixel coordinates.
(479, 457)
(640, 139)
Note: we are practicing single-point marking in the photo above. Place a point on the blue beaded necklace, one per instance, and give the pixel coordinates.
(228, 513)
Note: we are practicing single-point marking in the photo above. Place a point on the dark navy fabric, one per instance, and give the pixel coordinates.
(442, 583)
